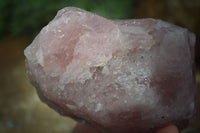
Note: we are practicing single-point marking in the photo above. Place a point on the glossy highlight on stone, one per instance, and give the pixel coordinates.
(118, 76)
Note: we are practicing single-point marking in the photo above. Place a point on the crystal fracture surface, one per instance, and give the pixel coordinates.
(117, 75)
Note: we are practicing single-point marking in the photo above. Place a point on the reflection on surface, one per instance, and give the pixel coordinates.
(21, 111)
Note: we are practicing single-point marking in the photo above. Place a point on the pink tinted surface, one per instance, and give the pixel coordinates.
(116, 75)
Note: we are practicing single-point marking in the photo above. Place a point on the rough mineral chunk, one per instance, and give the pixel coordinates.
(120, 76)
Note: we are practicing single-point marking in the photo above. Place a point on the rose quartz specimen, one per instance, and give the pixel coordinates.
(119, 76)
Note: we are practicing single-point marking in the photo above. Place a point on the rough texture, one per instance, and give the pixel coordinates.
(117, 75)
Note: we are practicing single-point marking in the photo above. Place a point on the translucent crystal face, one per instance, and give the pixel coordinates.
(117, 75)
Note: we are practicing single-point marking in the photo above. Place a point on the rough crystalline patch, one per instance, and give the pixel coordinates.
(117, 75)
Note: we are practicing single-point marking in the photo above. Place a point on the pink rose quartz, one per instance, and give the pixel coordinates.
(119, 76)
